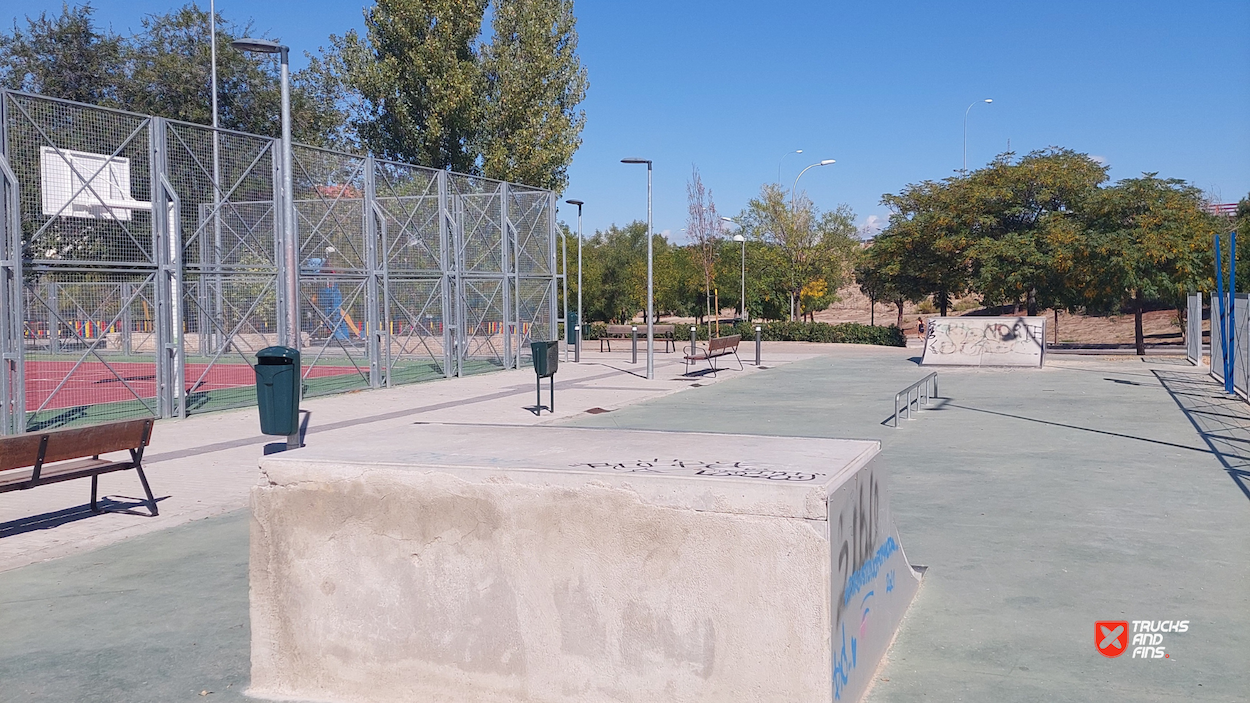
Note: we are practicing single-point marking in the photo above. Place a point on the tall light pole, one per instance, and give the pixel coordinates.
(650, 273)
(290, 245)
(783, 158)
(794, 192)
(577, 354)
(986, 101)
(742, 240)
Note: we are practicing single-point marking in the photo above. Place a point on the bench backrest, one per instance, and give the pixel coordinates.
(22, 450)
(663, 329)
(620, 329)
(719, 343)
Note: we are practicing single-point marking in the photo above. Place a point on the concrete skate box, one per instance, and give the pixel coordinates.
(985, 341)
(489, 563)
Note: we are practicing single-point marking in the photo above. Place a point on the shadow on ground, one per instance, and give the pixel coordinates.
(1222, 420)
(47, 521)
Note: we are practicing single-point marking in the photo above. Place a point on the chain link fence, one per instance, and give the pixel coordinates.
(142, 267)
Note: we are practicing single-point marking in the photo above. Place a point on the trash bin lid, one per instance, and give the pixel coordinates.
(277, 353)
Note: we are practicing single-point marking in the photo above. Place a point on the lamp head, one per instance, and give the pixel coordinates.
(578, 203)
(636, 160)
(739, 238)
(260, 46)
(798, 151)
(989, 100)
(727, 219)
(826, 162)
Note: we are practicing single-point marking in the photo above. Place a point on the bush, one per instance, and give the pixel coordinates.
(783, 331)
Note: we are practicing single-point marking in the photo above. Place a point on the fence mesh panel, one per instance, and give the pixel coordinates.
(404, 273)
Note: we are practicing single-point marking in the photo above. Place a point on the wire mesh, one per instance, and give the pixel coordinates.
(405, 273)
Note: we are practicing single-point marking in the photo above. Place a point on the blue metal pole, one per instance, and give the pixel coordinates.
(1229, 384)
(1219, 295)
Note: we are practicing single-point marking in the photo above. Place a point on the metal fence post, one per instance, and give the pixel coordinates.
(126, 321)
(53, 316)
(373, 332)
(12, 317)
(505, 242)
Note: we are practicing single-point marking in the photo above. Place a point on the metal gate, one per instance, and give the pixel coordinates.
(141, 266)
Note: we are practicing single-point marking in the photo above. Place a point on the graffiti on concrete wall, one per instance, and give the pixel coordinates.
(690, 467)
(872, 581)
(985, 341)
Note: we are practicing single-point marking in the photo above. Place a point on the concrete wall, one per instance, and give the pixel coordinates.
(391, 572)
(985, 341)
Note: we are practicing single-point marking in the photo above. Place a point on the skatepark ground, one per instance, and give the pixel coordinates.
(1040, 501)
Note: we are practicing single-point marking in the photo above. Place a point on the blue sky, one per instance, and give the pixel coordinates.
(882, 87)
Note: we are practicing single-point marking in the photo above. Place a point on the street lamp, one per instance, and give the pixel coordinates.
(795, 190)
(987, 101)
(742, 240)
(783, 158)
(290, 246)
(577, 353)
(650, 280)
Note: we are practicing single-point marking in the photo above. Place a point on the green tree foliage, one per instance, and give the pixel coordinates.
(164, 70)
(1015, 212)
(1144, 239)
(534, 83)
(418, 78)
(65, 56)
(804, 245)
(872, 274)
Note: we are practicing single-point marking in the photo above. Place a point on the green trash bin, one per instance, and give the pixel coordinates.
(546, 362)
(277, 390)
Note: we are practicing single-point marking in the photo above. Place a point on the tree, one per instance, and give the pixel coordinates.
(809, 245)
(872, 275)
(1014, 215)
(926, 248)
(703, 230)
(1145, 239)
(168, 74)
(63, 57)
(417, 79)
(165, 70)
(534, 82)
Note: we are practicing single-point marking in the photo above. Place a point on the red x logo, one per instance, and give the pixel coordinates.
(1111, 637)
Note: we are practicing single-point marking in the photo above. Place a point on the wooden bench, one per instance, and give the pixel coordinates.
(39, 458)
(716, 347)
(661, 332)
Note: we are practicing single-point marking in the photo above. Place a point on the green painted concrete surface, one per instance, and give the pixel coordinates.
(1041, 501)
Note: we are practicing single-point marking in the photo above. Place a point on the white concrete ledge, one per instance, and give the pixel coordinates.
(491, 563)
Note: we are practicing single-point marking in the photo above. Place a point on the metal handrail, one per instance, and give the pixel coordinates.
(924, 388)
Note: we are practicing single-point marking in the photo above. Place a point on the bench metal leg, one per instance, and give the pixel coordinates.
(146, 489)
(95, 483)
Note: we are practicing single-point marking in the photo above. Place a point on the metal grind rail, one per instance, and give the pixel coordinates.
(925, 388)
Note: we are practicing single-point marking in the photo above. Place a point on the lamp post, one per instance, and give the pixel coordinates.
(795, 190)
(986, 101)
(743, 241)
(650, 273)
(783, 158)
(290, 245)
(577, 354)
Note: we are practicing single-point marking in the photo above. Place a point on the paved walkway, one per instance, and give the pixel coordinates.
(205, 465)
(1040, 500)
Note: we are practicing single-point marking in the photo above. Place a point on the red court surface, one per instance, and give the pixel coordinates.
(94, 382)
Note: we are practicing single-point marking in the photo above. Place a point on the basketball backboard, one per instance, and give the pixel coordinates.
(83, 184)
